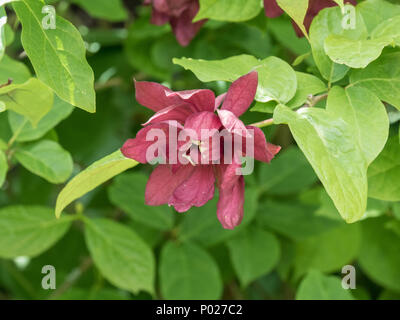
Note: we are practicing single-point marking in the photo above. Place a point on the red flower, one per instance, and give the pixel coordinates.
(272, 10)
(192, 184)
(179, 13)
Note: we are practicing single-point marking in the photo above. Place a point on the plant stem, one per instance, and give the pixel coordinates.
(264, 123)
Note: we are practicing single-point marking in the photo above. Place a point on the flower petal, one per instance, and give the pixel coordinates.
(179, 112)
(202, 121)
(219, 100)
(262, 150)
(272, 10)
(155, 96)
(200, 99)
(196, 191)
(163, 182)
(241, 94)
(232, 123)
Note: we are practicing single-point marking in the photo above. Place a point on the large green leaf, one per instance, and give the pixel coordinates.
(32, 99)
(29, 230)
(123, 258)
(26, 132)
(375, 12)
(326, 23)
(93, 176)
(277, 79)
(57, 55)
(294, 220)
(379, 256)
(3, 167)
(382, 77)
(297, 10)
(328, 251)
(3, 22)
(289, 173)
(228, 10)
(317, 286)
(254, 252)
(389, 28)
(46, 159)
(355, 53)
(127, 192)
(384, 173)
(112, 10)
(340, 143)
(188, 272)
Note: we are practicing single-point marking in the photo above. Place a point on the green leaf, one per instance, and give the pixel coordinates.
(29, 230)
(188, 272)
(228, 10)
(127, 192)
(384, 173)
(317, 286)
(297, 10)
(277, 79)
(46, 159)
(57, 55)
(355, 53)
(3, 22)
(328, 251)
(201, 224)
(379, 255)
(340, 143)
(326, 23)
(382, 77)
(93, 176)
(289, 173)
(26, 132)
(254, 253)
(389, 28)
(307, 84)
(31, 99)
(122, 257)
(375, 12)
(13, 69)
(112, 10)
(294, 220)
(3, 167)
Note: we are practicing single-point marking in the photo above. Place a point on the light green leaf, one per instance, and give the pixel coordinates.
(307, 84)
(328, 251)
(379, 256)
(112, 10)
(60, 111)
(317, 286)
(127, 192)
(188, 272)
(375, 12)
(288, 173)
(388, 29)
(29, 230)
(382, 77)
(384, 173)
(93, 176)
(122, 257)
(340, 143)
(297, 10)
(254, 253)
(13, 69)
(201, 224)
(3, 22)
(277, 79)
(228, 10)
(294, 220)
(3, 167)
(326, 23)
(32, 99)
(46, 159)
(57, 55)
(355, 53)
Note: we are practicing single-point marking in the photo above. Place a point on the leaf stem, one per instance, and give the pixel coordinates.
(264, 123)
(16, 134)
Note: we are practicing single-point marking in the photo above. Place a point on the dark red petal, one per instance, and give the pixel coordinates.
(241, 94)
(219, 100)
(155, 96)
(202, 121)
(196, 191)
(272, 10)
(263, 151)
(163, 182)
(232, 123)
(178, 113)
(200, 99)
